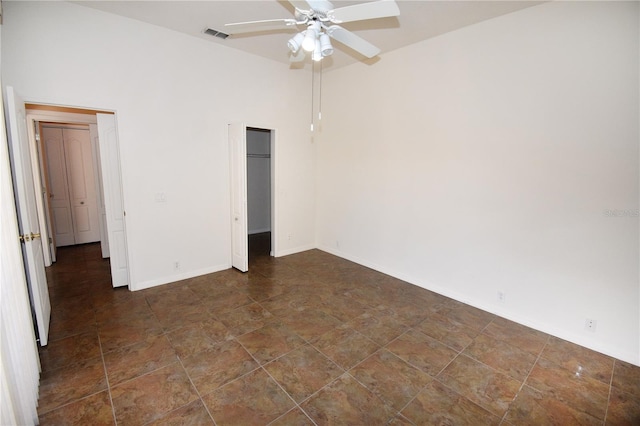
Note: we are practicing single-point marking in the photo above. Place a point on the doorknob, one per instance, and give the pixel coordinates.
(237, 219)
(81, 202)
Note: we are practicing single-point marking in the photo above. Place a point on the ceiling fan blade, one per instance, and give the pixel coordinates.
(359, 12)
(321, 5)
(265, 25)
(353, 41)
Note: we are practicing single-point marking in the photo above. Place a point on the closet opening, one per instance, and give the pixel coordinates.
(259, 167)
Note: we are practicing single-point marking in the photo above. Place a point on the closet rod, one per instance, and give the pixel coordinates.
(259, 155)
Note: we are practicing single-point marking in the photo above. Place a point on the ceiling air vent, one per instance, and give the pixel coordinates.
(216, 33)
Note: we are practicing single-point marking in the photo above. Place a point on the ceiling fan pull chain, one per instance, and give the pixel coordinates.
(313, 83)
(320, 95)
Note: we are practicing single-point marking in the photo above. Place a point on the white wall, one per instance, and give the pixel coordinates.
(258, 181)
(484, 160)
(173, 95)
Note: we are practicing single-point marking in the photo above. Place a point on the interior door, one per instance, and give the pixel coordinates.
(27, 212)
(102, 213)
(238, 167)
(46, 222)
(53, 141)
(82, 189)
(112, 190)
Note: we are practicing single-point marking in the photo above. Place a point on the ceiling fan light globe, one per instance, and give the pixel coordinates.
(325, 45)
(296, 42)
(317, 52)
(309, 42)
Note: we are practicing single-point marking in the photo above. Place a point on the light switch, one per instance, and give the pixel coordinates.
(161, 197)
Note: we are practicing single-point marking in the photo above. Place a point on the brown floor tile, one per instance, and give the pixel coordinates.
(503, 357)
(533, 407)
(95, 410)
(626, 377)
(59, 329)
(117, 335)
(624, 408)
(66, 384)
(342, 308)
(474, 318)
(404, 312)
(214, 367)
(246, 318)
(149, 397)
(422, 352)
(345, 401)
(303, 372)
(311, 324)
(447, 331)
(208, 285)
(231, 299)
(261, 288)
(192, 414)
(294, 417)
(290, 303)
(345, 346)
(579, 360)
(107, 296)
(306, 318)
(483, 385)
(390, 378)
(270, 342)
(517, 335)
(69, 350)
(181, 316)
(400, 420)
(197, 337)
(178, 295)
(427, 299)
(252, 399)
(378, 325)
(140, 358)
(582, 393)
(128, 310)
(437, 404)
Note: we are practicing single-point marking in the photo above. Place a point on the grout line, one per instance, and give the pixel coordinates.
(606, 410)
(106, 376)
(195, 389)
(522, 385)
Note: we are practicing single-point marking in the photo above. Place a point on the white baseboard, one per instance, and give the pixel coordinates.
(178, 277)
(294, 250)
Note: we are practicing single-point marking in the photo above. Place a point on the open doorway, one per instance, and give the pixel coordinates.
(258, 193)
(77, 171)
(253, 193)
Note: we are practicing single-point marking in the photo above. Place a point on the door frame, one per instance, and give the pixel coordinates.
(37, 112)
(273, 166)
(34, 117)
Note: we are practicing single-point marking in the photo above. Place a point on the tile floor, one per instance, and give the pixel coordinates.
(307, 339)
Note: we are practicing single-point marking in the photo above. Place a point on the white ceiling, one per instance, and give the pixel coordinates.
(418, 20)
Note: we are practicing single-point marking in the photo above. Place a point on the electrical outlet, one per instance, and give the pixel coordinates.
(502, 297)
(289, 237)
(590, 325)
(176, 265)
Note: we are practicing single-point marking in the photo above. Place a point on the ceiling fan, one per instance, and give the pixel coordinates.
(321, 19)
